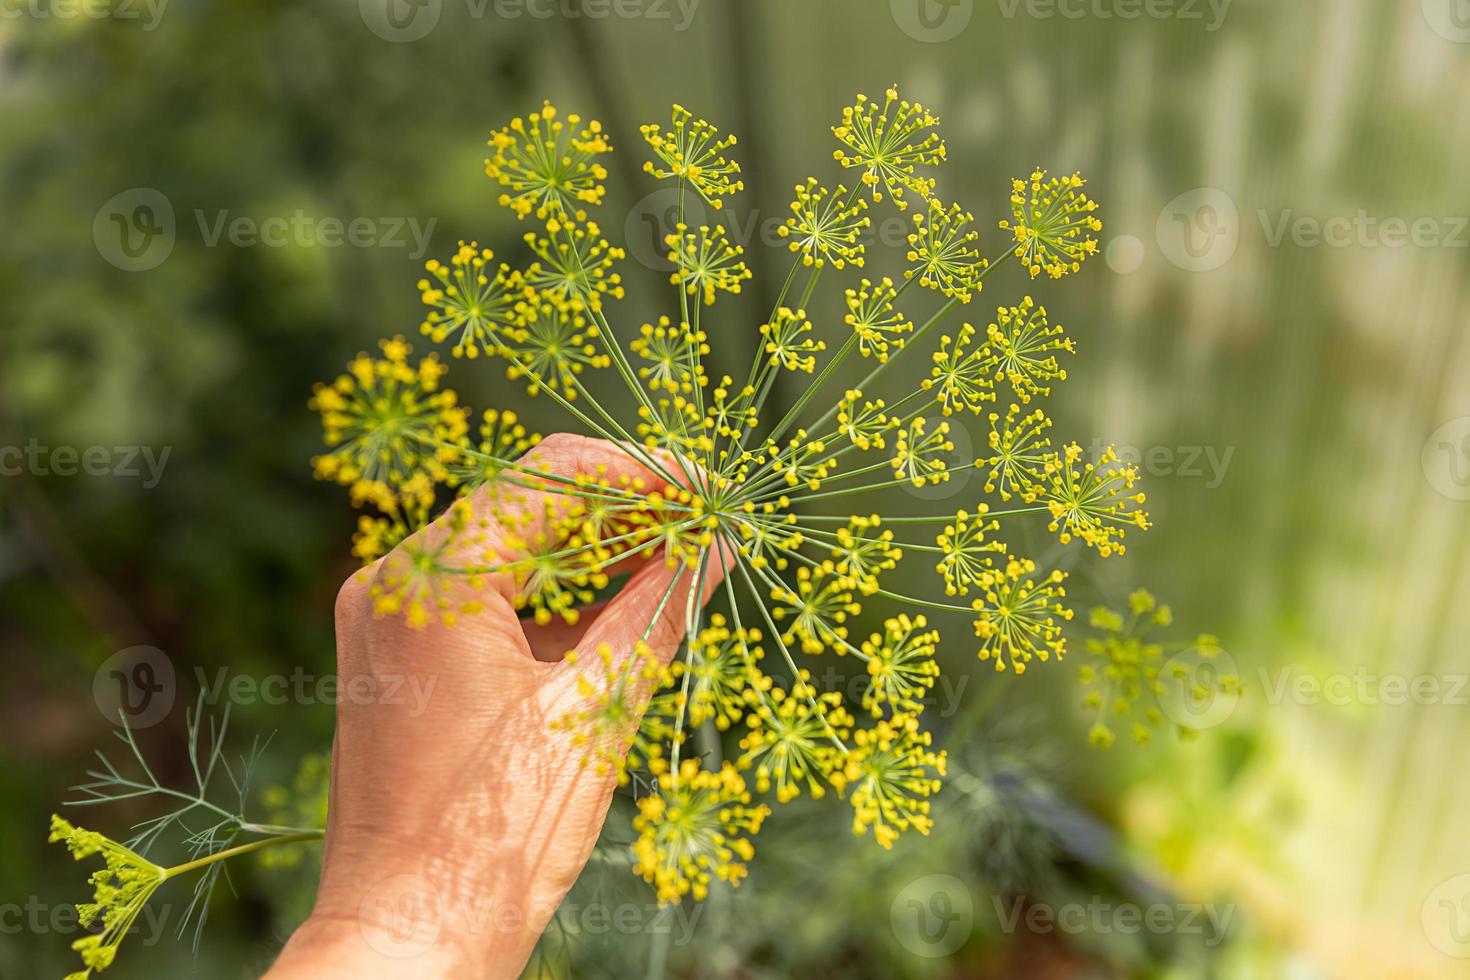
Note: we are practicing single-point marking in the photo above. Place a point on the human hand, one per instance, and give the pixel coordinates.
(458, 817)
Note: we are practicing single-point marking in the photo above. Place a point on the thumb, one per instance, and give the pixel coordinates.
(654, 607)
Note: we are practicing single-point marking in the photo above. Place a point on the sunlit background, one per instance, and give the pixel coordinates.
(1275, 329)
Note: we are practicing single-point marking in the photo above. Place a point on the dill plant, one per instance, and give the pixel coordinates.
(768, 502)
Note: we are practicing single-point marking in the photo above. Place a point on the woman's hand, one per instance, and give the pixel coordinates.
(459, 817)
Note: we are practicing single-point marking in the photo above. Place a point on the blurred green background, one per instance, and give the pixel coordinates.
(1277, 328)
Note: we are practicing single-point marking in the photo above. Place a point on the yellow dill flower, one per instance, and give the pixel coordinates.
(672, 423)
(1022, 341)
(864, 550)
(503, 438)
(891, 772)
(872, 316)
(1017, 620)
(722, 671)
(1019, 454)
(792, 742)
(962, 376)
(942, 245)
(789, 341)
(608, 722)
(386, 420)
(818, 609)
(901, 666)
(863, 426)
(1096, 502)
(574, 265)
(1126, 678)
(918, 454)
(706, 262)
(420, 578)
(470, 302)
(889, 144)
(551, 345)
(696, 829)
(120, 890)
(548, 165)
(693, 150)
(674, 356)
(1053, 222)
(767, 535)
(557, 575)
(825, 225)
(966, 551)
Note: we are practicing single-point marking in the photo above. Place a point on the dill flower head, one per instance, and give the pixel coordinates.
(692, 150)
(1019, 619)
(966, 552)
(736, 487)
(962, 373)
(825, 225)
(705, 262)
(794, 740)
(1053, 223)
(547, 164)
(1024, 343)
(694, 830)
(889, 145)
(469, 301)
(873, 317)
(120, 890)
(942, 246)
(1020, 454)
(889, 776)
(901, 666)
(1095, 502)
(386, 420)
